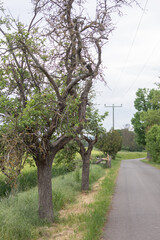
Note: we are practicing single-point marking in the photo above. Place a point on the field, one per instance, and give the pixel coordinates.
(19, 219)
(131, 155)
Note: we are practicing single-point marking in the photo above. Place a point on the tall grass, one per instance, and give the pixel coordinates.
(19, 214)
(27, 179)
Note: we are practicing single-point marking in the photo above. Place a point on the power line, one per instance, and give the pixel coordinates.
(113, 106)
(129, 52)
(141, 70)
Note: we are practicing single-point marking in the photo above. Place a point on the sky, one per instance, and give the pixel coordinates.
(131, 58)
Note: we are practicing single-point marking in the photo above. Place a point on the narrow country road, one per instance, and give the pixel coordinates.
(135, 211)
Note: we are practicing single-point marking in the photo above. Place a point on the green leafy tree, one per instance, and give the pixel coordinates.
(142, 103)
(110, 143)
(46, 74)
(153, 142)
(66, 157)
(152, 116)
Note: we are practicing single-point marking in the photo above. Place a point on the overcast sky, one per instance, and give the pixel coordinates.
(131, 57)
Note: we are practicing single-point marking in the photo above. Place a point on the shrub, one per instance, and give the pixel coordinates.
(153, 142)
(110, 142)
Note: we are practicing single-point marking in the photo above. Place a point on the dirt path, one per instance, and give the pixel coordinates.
(135, 213)
(64, 231)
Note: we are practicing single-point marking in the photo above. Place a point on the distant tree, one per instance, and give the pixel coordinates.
(110, 143)
(153, 142)
(142, 103)
(128, 140)
(152, 116)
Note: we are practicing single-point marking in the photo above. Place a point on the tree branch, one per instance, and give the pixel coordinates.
(43, 69)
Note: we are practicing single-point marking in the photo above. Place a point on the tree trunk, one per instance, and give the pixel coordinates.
(108, 162)
(45, 204)
(149, 156)
(85, 172)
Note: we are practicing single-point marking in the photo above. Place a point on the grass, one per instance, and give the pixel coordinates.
(131, 155)
(27, 179)
(19, 214)
(95, 216)
(154, 164)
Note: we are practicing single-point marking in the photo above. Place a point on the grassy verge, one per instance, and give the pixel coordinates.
(18, 216)
(19, 219)
(96, 216)
(28, 178)
(157, 165)
(89, 210)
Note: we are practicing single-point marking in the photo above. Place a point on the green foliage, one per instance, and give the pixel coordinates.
(94, 123)
(67, 156)
(139, 129)
(143, 100)
(153, 142)
(146, 104)
(30, 101)
(12, 154)
(150, 117)
(110, 143)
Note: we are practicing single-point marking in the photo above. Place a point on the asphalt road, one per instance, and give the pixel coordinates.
(135, 211)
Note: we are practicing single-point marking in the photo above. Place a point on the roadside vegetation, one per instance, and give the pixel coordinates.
(146, 121)
(19, 211)
(154, 164)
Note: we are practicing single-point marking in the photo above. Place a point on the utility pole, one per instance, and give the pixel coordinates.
(113, 106)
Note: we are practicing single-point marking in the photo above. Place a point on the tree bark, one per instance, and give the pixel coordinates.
(85, 172)
(45, 204)
(149, 156)
(85, 154)
(108, 162)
